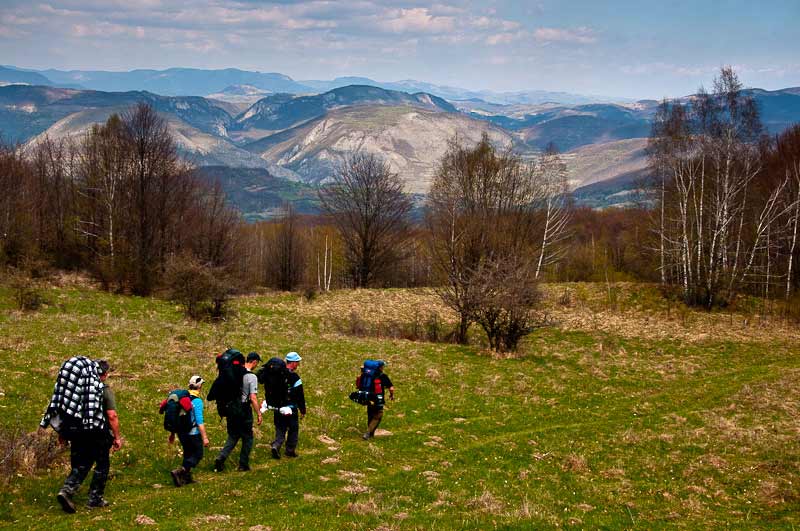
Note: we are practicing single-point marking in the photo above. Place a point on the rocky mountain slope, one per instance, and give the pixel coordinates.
(410, 139)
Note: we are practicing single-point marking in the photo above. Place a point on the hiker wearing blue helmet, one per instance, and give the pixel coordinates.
(287, 427)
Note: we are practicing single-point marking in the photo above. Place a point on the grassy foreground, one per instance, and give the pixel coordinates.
(621, 419)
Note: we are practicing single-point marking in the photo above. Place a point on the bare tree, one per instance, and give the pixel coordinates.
(720, 219)
(506, 300)
(551, 174)
(287, 252)
(154, 164)
(371, 212)
(483, 208)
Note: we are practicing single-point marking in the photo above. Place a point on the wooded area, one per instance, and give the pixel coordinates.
(719, 218)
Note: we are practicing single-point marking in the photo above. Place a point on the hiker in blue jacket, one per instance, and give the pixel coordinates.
(297, 403)
(195, 439)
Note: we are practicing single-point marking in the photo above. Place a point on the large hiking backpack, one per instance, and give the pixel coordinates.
(275, 377)
(177, 411)
(226, 390)
(370, 388)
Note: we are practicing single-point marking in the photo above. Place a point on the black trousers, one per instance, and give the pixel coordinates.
(192, 449)
(87, 450)
(284, 424)
(240, 426)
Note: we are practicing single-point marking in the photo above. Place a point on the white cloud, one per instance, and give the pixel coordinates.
(415, 20)
(505, 38)
(581, 35)
(106, 29)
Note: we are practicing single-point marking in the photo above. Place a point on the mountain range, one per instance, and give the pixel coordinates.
(199, 82)
(263, 144)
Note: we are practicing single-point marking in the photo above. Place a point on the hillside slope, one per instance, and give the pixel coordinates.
(412, 140)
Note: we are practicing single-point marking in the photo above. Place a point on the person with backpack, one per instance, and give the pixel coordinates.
(83, 410)
(240, 417)
(296, 402)
(372, 386)
(191, 432)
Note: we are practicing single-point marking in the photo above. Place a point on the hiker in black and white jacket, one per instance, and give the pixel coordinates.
(83, 412)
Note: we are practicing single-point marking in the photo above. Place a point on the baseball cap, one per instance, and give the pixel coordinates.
(102, 367)
(253, 356)
(196, 381)
(293, 356)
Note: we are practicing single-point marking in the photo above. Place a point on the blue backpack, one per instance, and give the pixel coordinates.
(370, 389)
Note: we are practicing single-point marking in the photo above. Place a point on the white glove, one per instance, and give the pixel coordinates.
(264, 406)
(285, 410)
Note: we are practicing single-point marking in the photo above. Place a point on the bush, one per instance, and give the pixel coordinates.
(26, 453)
(27, 293)
(310, 294)
(202, 291)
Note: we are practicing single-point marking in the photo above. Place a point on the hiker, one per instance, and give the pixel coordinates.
(193, 440)
(83, 410)
(297, 404)
(240, 418)
(376, 385)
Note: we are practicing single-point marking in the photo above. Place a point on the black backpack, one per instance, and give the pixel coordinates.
(177, 419)
(226, 390)
(275, 377)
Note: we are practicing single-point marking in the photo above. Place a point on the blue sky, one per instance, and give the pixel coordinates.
(633, 49)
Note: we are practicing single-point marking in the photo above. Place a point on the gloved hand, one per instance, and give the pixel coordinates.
(285, 410)
(264, 406)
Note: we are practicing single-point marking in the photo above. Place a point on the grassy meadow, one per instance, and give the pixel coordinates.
(626, 414)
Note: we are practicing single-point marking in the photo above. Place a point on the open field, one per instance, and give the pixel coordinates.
(631, 415)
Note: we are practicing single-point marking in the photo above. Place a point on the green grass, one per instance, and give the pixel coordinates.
(584, 429)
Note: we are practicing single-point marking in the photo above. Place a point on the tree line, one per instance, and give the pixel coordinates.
(118, 202)
(718, 217)
(727, 197)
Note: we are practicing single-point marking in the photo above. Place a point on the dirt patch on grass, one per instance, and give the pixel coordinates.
(486, 503)
(575, 463)
(364, 507)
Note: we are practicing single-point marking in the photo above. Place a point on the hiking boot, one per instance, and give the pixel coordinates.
(187, 477)
(243, 468)
(219, 465)
(290, 453)
(95, 503)
(366, 436)
(178, 476)
(275, 453)
(65, 499)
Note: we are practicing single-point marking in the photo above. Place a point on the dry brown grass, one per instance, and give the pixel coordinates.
(369, 506)
(590, 311)
(575, 463)
(486, 502)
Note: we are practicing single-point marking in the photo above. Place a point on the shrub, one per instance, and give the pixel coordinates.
(26, 453)
(27, 293)
(203, 291)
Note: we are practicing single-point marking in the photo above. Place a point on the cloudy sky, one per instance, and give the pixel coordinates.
(624, 48)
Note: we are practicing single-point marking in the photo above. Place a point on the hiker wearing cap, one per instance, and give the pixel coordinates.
(297, 404)
(83, 410)
(195, 439)
(240, 419)
(382, 383)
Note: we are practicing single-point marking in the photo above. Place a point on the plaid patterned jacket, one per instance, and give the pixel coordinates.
(78, 393)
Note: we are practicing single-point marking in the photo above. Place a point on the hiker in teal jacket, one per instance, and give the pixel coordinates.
(195, 439)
